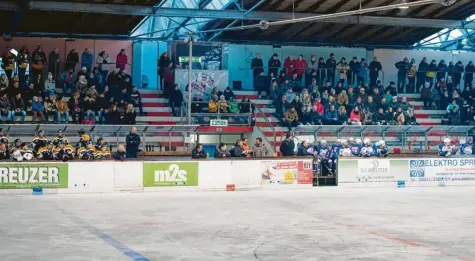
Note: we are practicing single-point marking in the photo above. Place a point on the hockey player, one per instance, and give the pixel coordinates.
(356, 148)
(25, 152)
(103, 153)
(63, 151)
(101, 143)
(3, 138)
(382, 149)
(46, 153)
(84, 139)
(368, 150)
(345, 150)
(324, 155)
(15, 146)
(39, 142)
(446, 148)
(87, 152)
(465, 148)
(60, 137)
(4, 153)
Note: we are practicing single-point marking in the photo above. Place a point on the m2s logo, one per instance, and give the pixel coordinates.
(173, 174)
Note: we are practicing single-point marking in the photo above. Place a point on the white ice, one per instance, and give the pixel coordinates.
(316, 224)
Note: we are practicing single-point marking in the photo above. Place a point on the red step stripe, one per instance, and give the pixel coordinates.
(155, 104)
(428, 124)
(422, 116)
(157, 114)
(150, 95)
(252, 97)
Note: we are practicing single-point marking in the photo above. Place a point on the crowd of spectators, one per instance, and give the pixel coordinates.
(335, 92)
(96, 93)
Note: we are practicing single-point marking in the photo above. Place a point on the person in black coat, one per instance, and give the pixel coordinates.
(198, 152)
(136, 99)
(237, 151)
(287, 146)
(302, 151)
(176, 99)
(221, 152)
(402, 67)
(132, 142)
(469, 70)
(120, 153)
(257, 65)
(274, 65)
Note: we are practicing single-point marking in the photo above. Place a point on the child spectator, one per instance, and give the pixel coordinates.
(75, 107)
(62, 110)
(426, 95)
(50, 108)
(38, 110)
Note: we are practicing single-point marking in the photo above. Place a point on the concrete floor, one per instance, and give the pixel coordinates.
(318, 224)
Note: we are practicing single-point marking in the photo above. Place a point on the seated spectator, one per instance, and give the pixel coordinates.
(197, 107)
(467, 94)
(290, 94)
(392, 88)
(50, 107)
(275, 92)
(89, 110)
(456, 96)
(445, 100)
(50, 85)
(384, 104)
(291, 118)
(18, 108)
(62, 109)
(223, 105)
(306, 108)
(426, 95)
(359, 104)
(96, 79)
(331, 116)
(136, 99)
(281, 106)
(452, 106)
(410, 118)
(38, 110)
(75, 108)
(355, 116)
(325, 97)
(399, 116)
(4, 83)
(233, 107)
(319, 112)
(14, 90)
(122, 98)
(453, 116)
(198, 152)
(130, 115)
(376, 95)
(362, 94)
(295, 82)
(466, 115)
(102, 105)
(212, 104)
(120, 154)
(394, 103)
(261, 84)
(176, 100)
(228, 94)
(297, 104)
(114, 117)
(391, 116)
(214, 91)
(67, 81)
(313, 86)
(343, 98)
(351, 96)
(342, 115)
(81, 85)
(370, 106)
(380, 118)
(91, 91)
(221, 152)
(388, 96)
(29, 93)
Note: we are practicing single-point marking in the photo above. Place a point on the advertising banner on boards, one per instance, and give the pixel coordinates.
(33, 175)
(286, 172)
(170, 174)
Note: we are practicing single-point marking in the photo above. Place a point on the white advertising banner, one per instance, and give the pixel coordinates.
(442, 169)
(376, 170)
(203, 81)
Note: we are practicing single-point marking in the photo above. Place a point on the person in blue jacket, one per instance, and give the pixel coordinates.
(445, 148)
(87, 60)
(465, 148)
(324, 154)
(335, 152)
(381, 149)
(304, 149)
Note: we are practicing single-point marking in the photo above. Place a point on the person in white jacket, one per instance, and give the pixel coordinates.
(103, 60)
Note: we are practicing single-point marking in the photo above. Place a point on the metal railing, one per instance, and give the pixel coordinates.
(234, 118)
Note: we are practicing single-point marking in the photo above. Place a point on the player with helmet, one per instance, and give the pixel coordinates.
(446, 148)
(382, 149)
(368, 149)
(15, 146)
(102, 149)
(87, 152)
(60, 137)
(324, 154)
(356, 148)
(39, 142)
(46, 153)
(25, 152)
(345, 150)
(465, 148)
(84, 140)
(3, 138)
(63, 151)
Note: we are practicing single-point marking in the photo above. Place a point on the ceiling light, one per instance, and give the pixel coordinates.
(403, 7)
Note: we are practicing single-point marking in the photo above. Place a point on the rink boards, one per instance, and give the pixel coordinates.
(110, 176)
(392, 172)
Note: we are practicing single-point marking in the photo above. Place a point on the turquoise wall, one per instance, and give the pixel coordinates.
(146, 54)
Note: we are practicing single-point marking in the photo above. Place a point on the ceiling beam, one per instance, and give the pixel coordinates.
(230, 14)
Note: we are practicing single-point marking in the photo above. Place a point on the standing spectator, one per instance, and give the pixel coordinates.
(132, 142)
(321, 71)
(457, 72)
(176, 100)
(331, 66)
(198, 152)
(50, 107)
(342, 68)
(291, 118)
(38, 110)
(18, 108)
(274, 65)
(71, 60)
(421, 73)
(245, 107)
(221, 152)
(411, 74)
(38, 59)
(402, 67)
(450, 69)
(430, 73)
(8, 63)
(289, 65)
(441, 70)
(331, 116)
(5, 108)
(257, 66)
(426, 95)
(130, 115)
(87, 60)
(469, 70)
(121, 60)
(287, 146)
(23, 60)
(50, 85)
(300, 66)
(136, 99)
(311, 72)
(261, 83)
(53, 63)
(75, 107)
(62, 110)
(164, 65)
(363, 72)
(103, 61)
(259, 150)
(374, 68)
(355, 67)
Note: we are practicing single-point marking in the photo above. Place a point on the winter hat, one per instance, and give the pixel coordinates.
(275, 55)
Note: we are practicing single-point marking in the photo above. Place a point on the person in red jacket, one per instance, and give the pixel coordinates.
(319, 111)
(121, 60)
(300, 66)
(289, 65)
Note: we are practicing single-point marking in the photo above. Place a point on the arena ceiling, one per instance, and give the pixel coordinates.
(117, 20)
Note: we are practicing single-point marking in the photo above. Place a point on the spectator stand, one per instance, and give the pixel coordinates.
(152, 136)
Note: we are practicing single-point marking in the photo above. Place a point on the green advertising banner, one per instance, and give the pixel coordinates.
(31, 175)
(170, 174)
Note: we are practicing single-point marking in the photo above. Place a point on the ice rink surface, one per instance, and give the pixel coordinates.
(317, 224)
